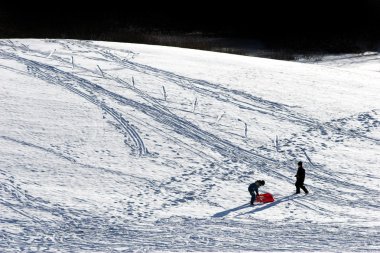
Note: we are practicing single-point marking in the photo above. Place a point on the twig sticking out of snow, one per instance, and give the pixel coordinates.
(164, 92)
(308, 158)
(195, 103)
(133, 81)
(51, 53)
(100, 70)
(276, 144)
(72, 62)
(245, 128)
(220, 117)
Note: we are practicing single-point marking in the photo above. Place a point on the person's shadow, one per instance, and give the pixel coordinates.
(255, 210)
(226, 212)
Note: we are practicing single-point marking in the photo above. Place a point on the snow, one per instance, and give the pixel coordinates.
(93, 158)
(361, 62)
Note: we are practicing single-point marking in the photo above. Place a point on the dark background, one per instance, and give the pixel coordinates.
(298, 26)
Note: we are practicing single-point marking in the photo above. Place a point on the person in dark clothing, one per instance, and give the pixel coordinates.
(254, 189)
(300, 179)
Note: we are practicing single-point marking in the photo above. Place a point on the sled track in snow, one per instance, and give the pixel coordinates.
(197, 235)
(157, 112)
(238, 98)
(157, 106)
(68, 158)
(183, 127)
(75, 229)
(48, 150)
(55, 76)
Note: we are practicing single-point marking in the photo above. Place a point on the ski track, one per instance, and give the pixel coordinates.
(174, 234)
(159, 111)
(238, 98)
(72, 229)
(186, 128)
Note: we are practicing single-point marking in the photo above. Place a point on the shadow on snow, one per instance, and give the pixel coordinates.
(265, 206)
(226, 212)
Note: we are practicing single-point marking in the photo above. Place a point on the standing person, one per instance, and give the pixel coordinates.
(300, 179)
(254, 189)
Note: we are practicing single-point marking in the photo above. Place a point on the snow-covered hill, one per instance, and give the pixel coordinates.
(111, 147)
(368, 61)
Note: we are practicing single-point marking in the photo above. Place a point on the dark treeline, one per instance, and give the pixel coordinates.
(299, 26)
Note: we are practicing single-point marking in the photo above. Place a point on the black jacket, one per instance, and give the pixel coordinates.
(254, 187)
(300, 175)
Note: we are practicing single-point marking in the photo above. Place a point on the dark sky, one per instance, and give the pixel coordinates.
(267, 19)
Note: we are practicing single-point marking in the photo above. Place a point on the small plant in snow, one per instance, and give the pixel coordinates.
(245, 128)
(276, 144)
(52, 52)
(100, 70)
(195, 103)
(164, 92)
(220, 117)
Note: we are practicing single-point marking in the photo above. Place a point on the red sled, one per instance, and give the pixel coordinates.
(264, 198)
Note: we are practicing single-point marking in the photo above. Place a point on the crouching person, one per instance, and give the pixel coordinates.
(254, 189)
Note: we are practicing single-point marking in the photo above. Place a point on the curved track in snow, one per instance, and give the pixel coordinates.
(163, 177)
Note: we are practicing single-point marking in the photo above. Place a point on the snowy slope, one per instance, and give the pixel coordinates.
(368, 61)
(123, 147)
